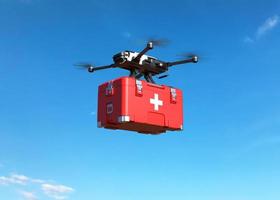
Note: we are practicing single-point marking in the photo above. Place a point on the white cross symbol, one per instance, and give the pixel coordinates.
(156, 102)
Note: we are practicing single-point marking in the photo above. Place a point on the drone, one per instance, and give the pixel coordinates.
(141, 65)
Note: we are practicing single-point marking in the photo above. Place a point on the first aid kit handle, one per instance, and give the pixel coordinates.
(155, 85)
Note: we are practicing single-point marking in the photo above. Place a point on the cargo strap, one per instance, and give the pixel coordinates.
(173, 95)
(110, 89)
(139, 88)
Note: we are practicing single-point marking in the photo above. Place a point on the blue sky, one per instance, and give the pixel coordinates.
(50, 146)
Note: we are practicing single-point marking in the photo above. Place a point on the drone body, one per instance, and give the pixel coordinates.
(141, 65)
(128, 103)
(129, 56)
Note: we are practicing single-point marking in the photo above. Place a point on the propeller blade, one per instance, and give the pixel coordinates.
(160, 42)
(191, 56)
(188, 55)
(200, 55)
(83, 65)
(86, 66)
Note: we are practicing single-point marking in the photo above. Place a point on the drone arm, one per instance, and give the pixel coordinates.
(147, 48)
(92, 69)
(194, 59)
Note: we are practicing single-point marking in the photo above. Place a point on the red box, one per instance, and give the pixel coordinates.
(136, 105)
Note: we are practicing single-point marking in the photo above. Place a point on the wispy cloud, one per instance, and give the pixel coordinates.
(56, 191)
(48, 188)
(28, 195)
(269, 24)
(14, 179)
(18, 179)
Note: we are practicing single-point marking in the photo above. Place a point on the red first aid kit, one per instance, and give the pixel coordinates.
(136, 105)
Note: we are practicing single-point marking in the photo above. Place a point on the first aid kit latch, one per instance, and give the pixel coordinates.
(110, 89)
(173, 95)
(139, 88)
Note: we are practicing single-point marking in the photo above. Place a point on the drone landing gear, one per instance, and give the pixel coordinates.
(133, 73)
(148, 76)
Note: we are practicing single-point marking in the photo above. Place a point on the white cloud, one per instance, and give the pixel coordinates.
(53, 191)
(269, 24)
(14, 179)
(38, 181)
(56, 191)
(28, 195)
(3, 180)
(19, 179)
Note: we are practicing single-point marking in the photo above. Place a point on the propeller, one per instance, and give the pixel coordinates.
(193, 56)
(160, 42)
(87, 66)
(201, 55)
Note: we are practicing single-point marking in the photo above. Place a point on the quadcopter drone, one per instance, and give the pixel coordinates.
(141, 65)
